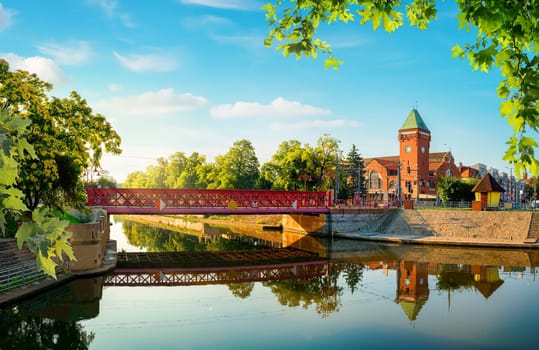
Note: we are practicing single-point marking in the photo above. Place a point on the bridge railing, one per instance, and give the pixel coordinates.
(212, 198)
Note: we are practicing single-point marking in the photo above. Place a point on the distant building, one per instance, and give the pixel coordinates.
(417, 168)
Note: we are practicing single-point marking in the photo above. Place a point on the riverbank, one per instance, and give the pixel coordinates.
(12, 296)
(511, 229)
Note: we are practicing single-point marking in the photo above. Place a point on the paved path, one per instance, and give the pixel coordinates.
(422, 238)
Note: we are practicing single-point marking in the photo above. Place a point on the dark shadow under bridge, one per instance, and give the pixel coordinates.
(198, 268)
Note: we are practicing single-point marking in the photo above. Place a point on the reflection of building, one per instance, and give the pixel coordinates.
(418, 169)
(412, 287)
(486, 279)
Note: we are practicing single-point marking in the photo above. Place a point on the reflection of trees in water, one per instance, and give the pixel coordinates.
(454, 278)
(353, 274)
(19, 331)
(241, 290)
(321, 291)
(156, 239)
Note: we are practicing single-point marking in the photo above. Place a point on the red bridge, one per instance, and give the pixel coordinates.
(184, 201)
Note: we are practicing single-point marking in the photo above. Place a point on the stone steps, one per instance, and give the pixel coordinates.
(17, 266)
(533, 232)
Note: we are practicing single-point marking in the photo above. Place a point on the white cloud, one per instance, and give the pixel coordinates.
(151, 103)
(146, 63)
(5, 17)
(226, 4)
(114, 87)
(110, 7)
(316, 124)
(279, 107)
(43, 67)
(71, 54)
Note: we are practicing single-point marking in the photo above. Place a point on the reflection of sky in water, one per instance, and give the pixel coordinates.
(211, 317)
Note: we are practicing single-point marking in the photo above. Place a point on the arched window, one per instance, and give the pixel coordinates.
(375, 181)
(393, 184)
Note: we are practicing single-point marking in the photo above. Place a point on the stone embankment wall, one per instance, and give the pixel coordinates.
(89, 241)
(494, 226)
(345, 220)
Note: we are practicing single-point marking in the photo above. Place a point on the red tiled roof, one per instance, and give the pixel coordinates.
(386, 162)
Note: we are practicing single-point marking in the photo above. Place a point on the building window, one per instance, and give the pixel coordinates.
(375, 180)
(393, 184)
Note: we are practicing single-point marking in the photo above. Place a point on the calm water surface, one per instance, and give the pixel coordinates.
(370, 296)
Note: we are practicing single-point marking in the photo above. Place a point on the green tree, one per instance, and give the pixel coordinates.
(105, 180)
(451, 189)
(349, 170)
(156, 174)
(43, 234)
(135, 179)
(190, 176)
(507, 38)
(323, 160)
(237, 169)
(287, 169)
(174, 169)
(66, 135)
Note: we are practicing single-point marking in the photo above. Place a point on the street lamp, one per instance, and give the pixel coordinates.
(359, 182)
(335, 197)
(510, 184)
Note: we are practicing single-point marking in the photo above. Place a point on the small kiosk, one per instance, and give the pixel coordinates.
(487, 193)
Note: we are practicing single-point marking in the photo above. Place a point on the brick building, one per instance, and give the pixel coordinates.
(417, 168)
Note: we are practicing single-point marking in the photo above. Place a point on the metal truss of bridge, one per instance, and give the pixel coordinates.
(187, 201)
(183, 269)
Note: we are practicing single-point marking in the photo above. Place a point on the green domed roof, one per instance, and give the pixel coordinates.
(414, 121)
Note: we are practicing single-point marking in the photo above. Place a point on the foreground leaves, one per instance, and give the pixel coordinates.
(46, 237)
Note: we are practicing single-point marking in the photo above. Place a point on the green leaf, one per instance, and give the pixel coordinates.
(457, 51)
(62, 247)
(23, 233)
(46, 265)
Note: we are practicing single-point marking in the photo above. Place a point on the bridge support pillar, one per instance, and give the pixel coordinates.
(316, 224)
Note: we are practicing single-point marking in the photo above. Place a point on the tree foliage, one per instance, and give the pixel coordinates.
(238, 168)
(351, 172)
(67, 136)
(46, 145)
(44, 235)
(451, 189)
(507, 38)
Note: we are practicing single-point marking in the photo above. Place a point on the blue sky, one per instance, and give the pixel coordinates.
(194, 76)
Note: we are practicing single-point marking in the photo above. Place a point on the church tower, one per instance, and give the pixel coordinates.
(414, 139)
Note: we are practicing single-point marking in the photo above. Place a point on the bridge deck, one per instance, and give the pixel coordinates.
(206, 201)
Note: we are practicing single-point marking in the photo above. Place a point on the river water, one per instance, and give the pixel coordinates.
(370, 296)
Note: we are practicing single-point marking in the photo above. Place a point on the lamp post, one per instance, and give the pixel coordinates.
(336, 176)
(359, 183)
(510, 184)
(399, 198)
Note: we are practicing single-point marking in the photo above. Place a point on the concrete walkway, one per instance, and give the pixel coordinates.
(411, 238)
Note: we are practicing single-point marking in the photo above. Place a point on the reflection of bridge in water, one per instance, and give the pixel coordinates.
(198, 268)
